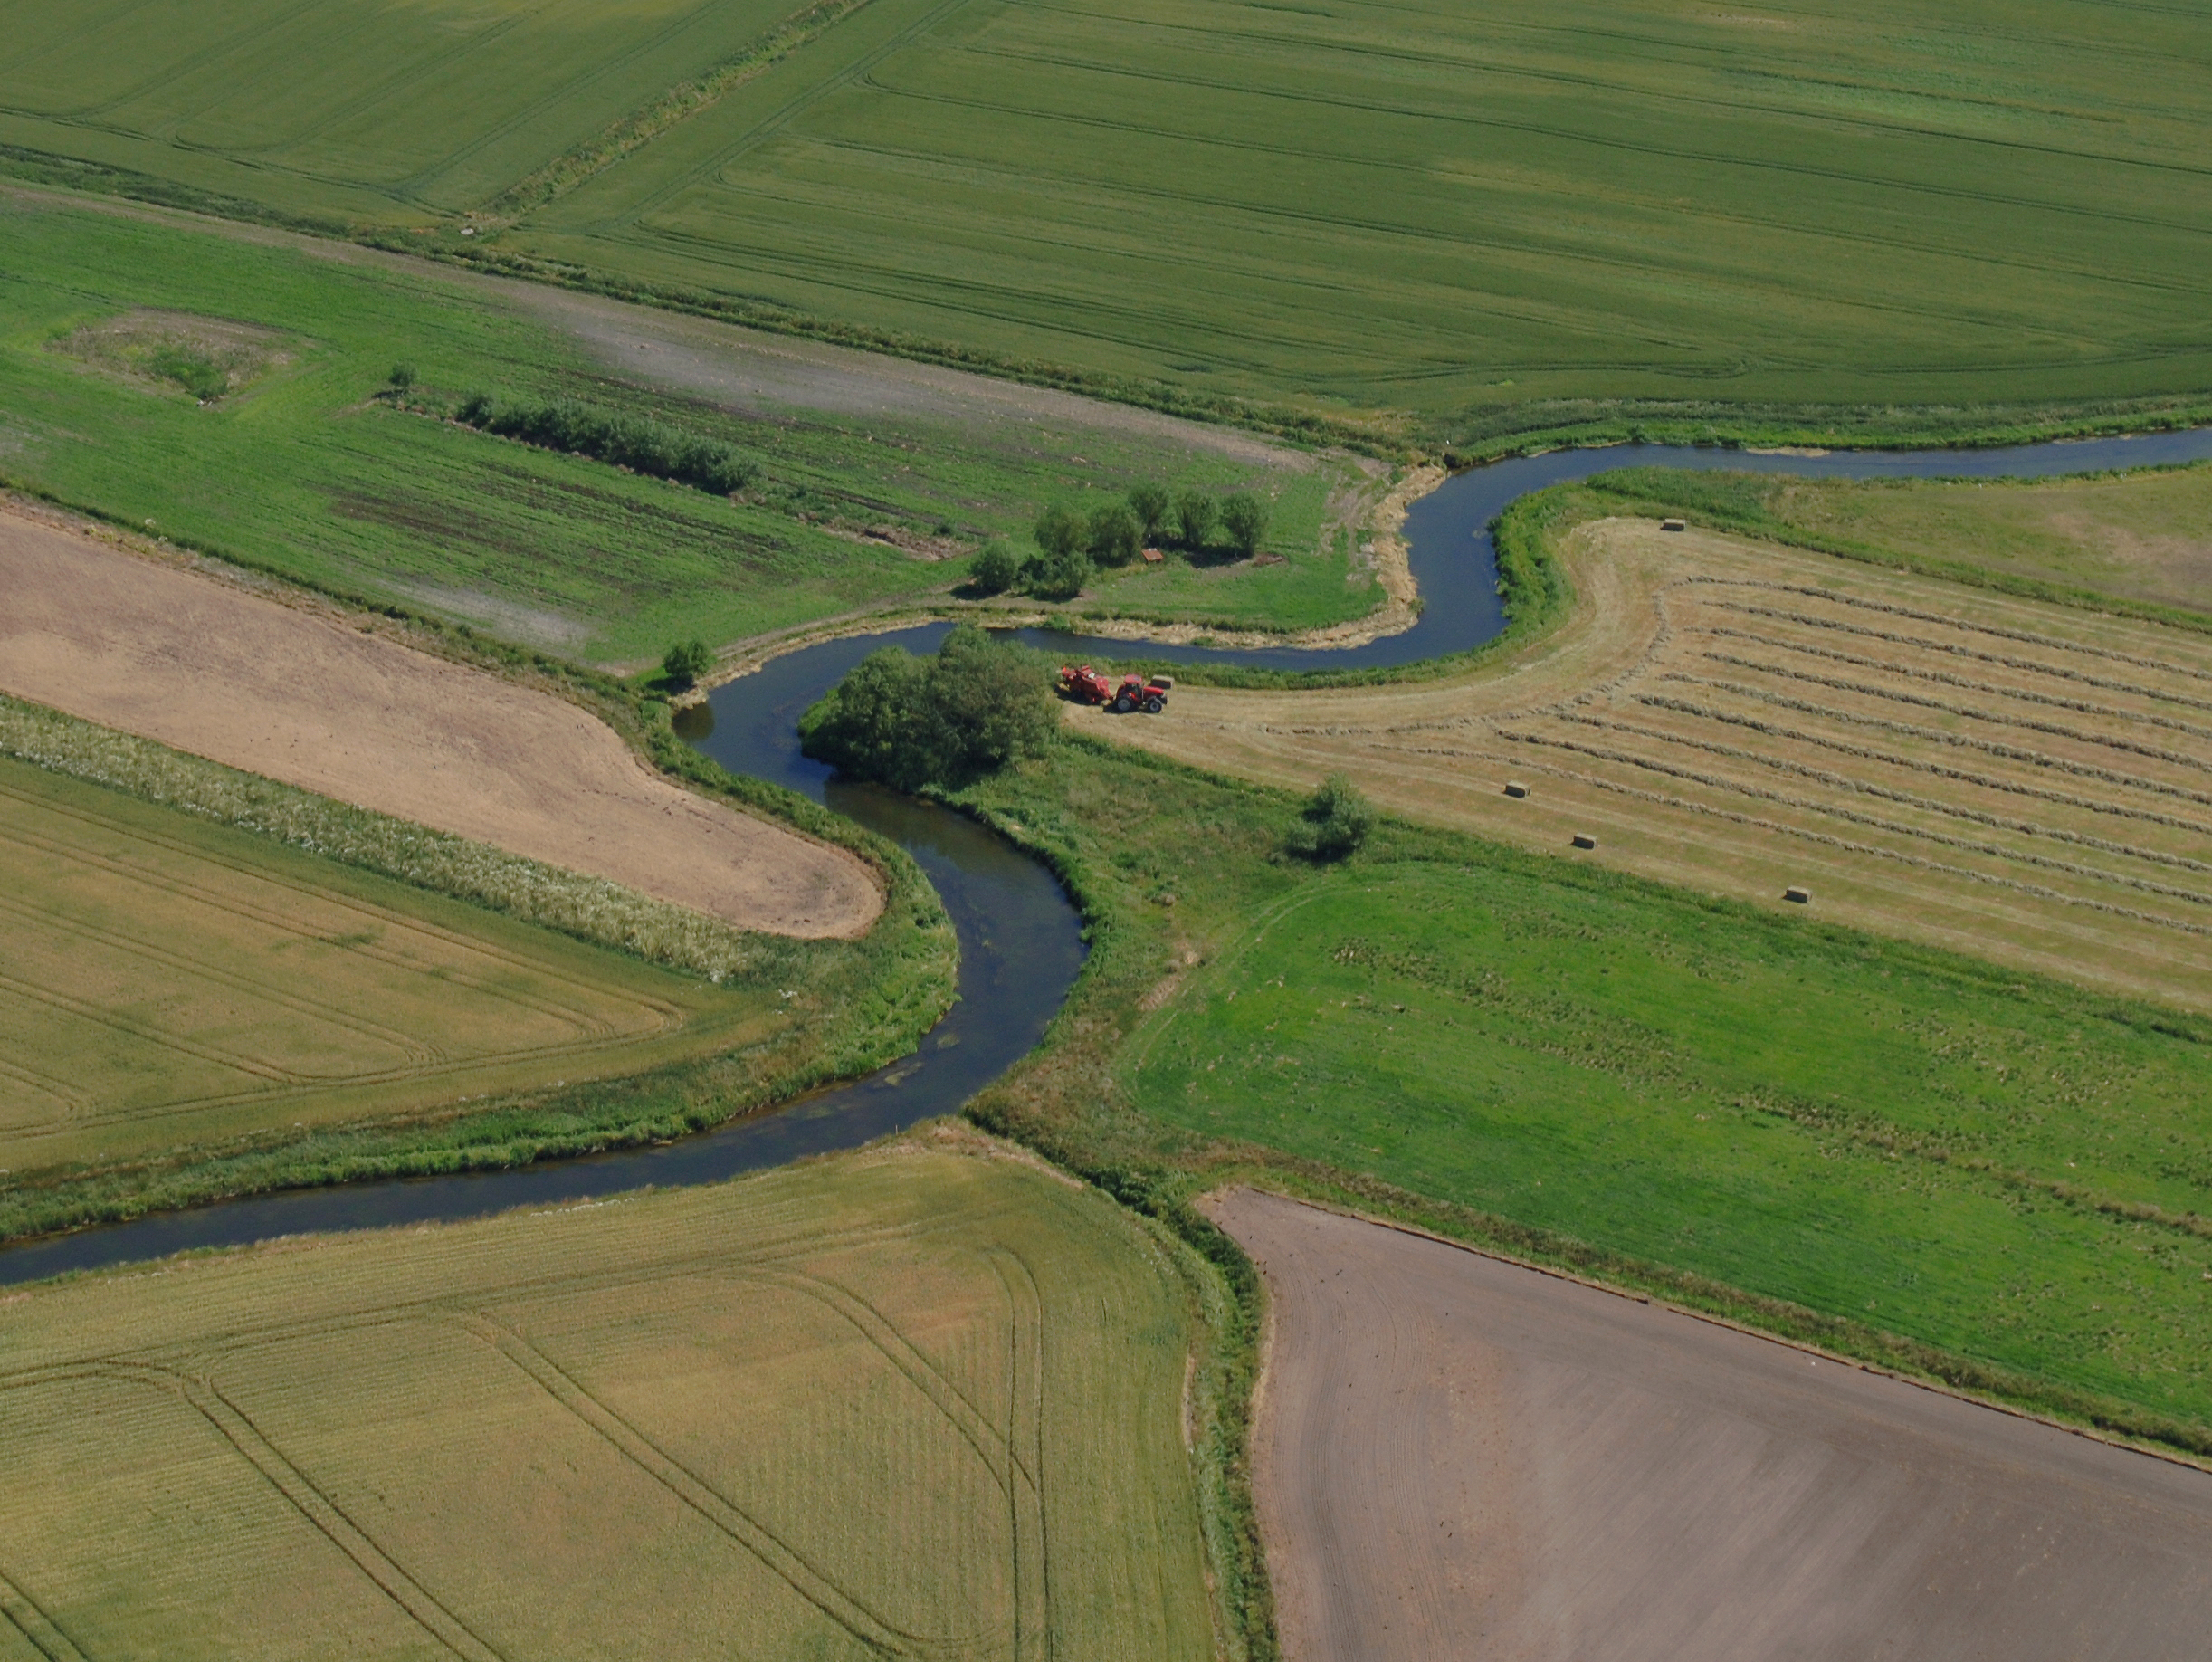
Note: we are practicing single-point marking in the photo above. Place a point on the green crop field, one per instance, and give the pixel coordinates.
(299, 467)
(173, 984)
(1999, 1165)
(907, 1403)
(1447, 216)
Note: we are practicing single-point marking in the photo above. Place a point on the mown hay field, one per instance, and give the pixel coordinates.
(1449, 216)
(2026, 782)
(902, 1404)
(175, 984)
(873, 491)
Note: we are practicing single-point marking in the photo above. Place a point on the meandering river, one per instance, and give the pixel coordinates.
(1021, 940)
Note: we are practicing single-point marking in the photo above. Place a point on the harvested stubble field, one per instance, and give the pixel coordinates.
(315, 699)
(1572, 1474)
(2025, 782)
(877, 478)
(176, 984)
(1441, 218)
(910, 1403)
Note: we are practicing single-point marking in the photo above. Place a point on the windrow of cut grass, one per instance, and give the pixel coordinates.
(1389, 222)
(925, 1400)
(308, 468)
(1992, 1179)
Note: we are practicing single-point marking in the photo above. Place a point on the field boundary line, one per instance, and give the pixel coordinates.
(43, 1633)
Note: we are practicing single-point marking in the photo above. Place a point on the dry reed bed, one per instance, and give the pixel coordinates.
(2020, 780)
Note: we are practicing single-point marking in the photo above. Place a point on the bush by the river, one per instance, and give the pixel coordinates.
(976, 705)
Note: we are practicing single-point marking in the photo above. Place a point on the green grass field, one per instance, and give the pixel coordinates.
(904, 1403)
(1463, 219)
(301, 469)
(2003, 1168)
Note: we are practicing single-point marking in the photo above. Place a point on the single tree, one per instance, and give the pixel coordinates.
(1060, 530)
(686, 661)
(1115, 535)
(1195, 514)
(403, 378)
(997, 569)
(1244, 517)
(1059, 575)
(1149, 501)
(1335, 821)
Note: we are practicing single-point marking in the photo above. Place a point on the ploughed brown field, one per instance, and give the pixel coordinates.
(2019, 780)
(1458, 1456)
(302, 696)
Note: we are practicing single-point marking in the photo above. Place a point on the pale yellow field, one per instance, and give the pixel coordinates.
(2026, 782)
(171, 982)
(918, 1402)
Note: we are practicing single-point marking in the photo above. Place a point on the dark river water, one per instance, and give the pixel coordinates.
(1021, 941)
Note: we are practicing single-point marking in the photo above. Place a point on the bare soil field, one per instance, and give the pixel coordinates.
(304, 697)
(1457, 1457)
(2018, 780)
(921, 1402)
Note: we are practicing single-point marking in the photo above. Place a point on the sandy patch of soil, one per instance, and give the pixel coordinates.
(317, 701)
(2024, 782)
(1457, 1456)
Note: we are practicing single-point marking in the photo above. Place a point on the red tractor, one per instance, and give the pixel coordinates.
(1087, 686)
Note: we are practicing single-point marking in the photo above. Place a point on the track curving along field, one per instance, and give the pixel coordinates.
(920, 1402)
(2017, 780)
(1455, 1455)
(300, 696)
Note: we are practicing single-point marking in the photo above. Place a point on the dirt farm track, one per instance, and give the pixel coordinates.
(299, 696)
(1457, 1457)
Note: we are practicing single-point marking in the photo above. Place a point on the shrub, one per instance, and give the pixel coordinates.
(1115, 535)
(1195, 514)
(1335, 821)
(686, 661)
(1057, 575)
(976, 706)
(191, 370)
(633, 442)
(997, 569)
(1244, 517)
(403, 378)
(1148, 502)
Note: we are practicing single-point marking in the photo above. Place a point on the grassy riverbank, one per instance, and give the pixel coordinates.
(867, 493)
(1995, 1180)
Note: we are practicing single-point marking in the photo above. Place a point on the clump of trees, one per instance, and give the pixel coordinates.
(1072, 545)
(1333, 824)
(948, 719)
(634, 442)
